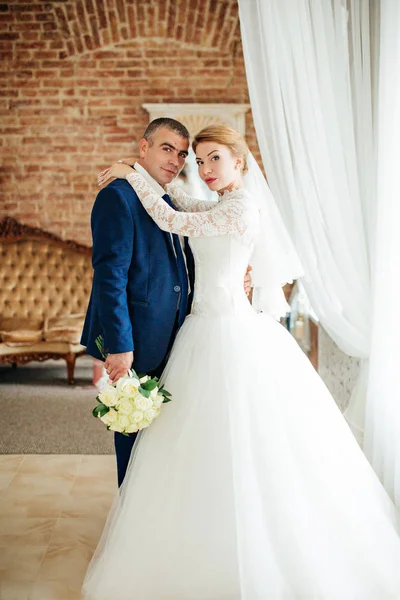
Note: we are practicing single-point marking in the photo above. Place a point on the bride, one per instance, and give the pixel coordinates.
(250, 485)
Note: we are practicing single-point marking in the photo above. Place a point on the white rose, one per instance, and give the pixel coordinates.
(110, 417)
(143, 424)
(136, 416)
(158, 400)
(127, 386)
(123, 421)
(121, 381)
(144, 379)
(142, 403)
(109, 396)
(125, 407)
(132, 428)
(153, 393)
(150, 414)
(116, 427)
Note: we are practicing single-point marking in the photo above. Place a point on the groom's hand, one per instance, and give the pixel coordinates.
(117, 365)
(247, 280)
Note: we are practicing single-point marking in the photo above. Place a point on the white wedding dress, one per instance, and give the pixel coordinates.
(249, 485)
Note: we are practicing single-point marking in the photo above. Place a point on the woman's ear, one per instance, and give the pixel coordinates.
(239, 164)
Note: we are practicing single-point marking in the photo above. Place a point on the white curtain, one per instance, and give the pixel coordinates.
(309, 74)
(382, 427)
(314, 92)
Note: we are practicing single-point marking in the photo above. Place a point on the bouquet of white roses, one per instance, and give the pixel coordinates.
(130, 404)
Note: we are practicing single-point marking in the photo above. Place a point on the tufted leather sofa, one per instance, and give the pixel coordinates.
(44, 290)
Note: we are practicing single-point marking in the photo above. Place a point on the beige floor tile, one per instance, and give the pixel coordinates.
(65, 564)
(72, 532)
(21, 563)
(96, 506)
(50, 464)
(16, 590)
(55, 590)
(98, 466)
(15, 502)
(10, 462)
(86, 486)
(9, 465)
(5, 480)
(16, 531)
(44, 484)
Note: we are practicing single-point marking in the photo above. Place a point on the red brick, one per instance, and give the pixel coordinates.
(27, 26)
(87, 64)
(56, 82)
(101, 13)
(55, 64)
(106, 54)
(9, 36)
(9, 93)
(43, 74)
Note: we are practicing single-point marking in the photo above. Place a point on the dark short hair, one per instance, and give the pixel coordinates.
(168, 123)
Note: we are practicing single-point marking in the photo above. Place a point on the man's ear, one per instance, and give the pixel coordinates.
(143, 146)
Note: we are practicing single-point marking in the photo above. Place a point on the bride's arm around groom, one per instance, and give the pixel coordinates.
(182, 201)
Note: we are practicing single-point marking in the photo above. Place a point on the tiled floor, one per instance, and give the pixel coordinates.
(52, 512)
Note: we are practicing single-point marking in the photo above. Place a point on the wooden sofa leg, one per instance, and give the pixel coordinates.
(70, 360)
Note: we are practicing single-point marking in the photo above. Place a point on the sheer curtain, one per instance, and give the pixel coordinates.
(382, 427)
(309, 74)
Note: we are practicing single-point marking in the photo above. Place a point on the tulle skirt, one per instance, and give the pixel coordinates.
(249, 485)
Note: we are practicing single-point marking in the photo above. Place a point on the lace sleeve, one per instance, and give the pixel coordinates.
(233, 215)
(184, 202)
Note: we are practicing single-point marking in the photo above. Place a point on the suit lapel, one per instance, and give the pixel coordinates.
(168, 237)
(190, 270)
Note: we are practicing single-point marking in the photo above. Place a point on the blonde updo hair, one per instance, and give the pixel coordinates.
(226, 136)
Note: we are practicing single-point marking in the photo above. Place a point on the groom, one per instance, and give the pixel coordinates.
(142, 275)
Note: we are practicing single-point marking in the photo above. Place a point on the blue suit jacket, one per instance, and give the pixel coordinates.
(136, 287)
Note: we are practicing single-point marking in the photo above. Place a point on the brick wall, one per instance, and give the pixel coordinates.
(73, 77)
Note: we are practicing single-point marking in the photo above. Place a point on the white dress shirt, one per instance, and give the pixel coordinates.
(154, 184)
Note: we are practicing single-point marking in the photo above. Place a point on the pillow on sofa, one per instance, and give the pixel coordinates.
(21, 336)
(17, 323)
(20, 330)
(64, 329)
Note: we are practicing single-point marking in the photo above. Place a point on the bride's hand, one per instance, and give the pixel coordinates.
(128, 161)
(248, 281)
(117, 171)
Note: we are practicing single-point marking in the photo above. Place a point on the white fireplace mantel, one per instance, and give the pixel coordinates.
(196, 116)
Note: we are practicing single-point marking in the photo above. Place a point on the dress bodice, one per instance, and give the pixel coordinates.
(220, 264)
